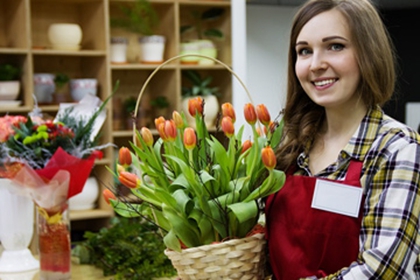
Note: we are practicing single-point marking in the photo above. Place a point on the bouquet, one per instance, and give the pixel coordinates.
(197, 189)
(49, 161)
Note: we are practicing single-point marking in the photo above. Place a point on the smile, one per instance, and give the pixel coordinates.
(324, 82)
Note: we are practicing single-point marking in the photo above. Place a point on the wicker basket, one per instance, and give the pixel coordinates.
(235, 259)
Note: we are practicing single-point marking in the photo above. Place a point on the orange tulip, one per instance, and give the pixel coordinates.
(195, 106)
(124, 157)
(147, 136)
(263, 114)
(107, 194)
(179, 122)
(170, 130)
(158, 121)
(227, 126)
(129, 180)
(190, 138)
(161, 129)
(250, 114)
(246, 145)
(228, 111)
(268, 158)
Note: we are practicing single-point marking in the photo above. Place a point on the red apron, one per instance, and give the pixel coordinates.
(304, 241)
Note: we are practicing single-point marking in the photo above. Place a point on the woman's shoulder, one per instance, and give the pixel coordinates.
(392, 129)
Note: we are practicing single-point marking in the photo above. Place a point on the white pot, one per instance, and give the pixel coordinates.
(9, 90)
(16, 230)
(152, 49)
(80, 87)
(119, 49)
(211, 109)
(87, 198)
(44, 87)
(65, 36)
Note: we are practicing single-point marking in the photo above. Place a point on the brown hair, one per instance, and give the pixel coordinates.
(375, 57)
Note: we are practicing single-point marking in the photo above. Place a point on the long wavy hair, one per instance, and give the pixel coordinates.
(375, 56)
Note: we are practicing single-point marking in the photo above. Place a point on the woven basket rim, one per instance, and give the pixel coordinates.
(217, 245)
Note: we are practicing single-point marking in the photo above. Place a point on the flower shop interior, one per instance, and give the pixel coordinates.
(105, 60)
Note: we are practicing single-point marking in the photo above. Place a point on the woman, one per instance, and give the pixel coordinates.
(350, 206)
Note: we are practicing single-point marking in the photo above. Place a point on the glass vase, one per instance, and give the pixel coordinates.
(54, 243)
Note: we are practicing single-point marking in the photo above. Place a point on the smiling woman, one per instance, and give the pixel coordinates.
(344, 157)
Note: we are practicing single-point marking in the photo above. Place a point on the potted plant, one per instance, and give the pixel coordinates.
(200, 86)
(61, 82)
(141, 18)
(9, 82)
(200, 36)
(160, 105)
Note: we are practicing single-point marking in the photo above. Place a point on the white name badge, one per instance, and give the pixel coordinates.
(337, 198)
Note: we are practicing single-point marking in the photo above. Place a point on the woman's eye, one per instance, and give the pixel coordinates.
(337, 47)
(303, 51)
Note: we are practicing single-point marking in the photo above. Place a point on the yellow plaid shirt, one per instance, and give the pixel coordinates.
(389, 235)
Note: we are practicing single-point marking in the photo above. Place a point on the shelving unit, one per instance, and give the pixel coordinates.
(24, 42)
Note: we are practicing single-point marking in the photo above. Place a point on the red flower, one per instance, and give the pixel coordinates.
(228, 127)
(170, 130)
(190, 139)
(107, 194)
(268, 158)
(246, 145)
(124, 157)
(250, 114)
(263, 114)
(195, 106)
(228, 111)
(129, 180)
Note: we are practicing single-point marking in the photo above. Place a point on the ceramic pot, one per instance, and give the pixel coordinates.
(87, 198)
(44, 87)
(207, 47)
(80, 87)
(190, 48)
(65, 36)
(119, 50)
(16, 230)
(152, 49)
(9, 90)
(210, 114)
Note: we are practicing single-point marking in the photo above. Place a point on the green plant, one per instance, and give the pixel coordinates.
(130, 105)
(196, 189)
(129, 249)
(140, 18)
(9, 72)
(61, 80)
(199, 86)
(199, 22)
(159, 102)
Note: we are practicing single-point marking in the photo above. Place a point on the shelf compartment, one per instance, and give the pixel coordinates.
(13, 24)
(90, 15)
(166, 27)
(76, 215)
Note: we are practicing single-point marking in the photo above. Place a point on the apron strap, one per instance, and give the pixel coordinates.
(354, 170)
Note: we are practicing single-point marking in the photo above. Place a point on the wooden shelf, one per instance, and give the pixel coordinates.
(24, 41)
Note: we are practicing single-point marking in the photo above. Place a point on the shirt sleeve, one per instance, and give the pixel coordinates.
(390, 228)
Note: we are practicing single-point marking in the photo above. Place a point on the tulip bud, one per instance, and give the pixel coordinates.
(158, 121)
(120, 168)
(227, 126)
(170, 130)
(195, 105)
(107, 194)
(190, 139)
(268, 158)
(263, 114)
(250, 114)
(179, 122)
(161, 129)
(228, 111)
(147, 136)
(124, 157)
(246, 145)
(129, 180)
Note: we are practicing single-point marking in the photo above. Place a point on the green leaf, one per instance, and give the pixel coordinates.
(172, 242)
(244, 210)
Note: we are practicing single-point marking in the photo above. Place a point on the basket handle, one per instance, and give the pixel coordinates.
(175, 58)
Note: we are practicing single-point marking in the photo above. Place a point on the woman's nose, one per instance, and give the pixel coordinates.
(318, 62)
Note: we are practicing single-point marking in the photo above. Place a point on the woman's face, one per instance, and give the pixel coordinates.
(326, 63)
